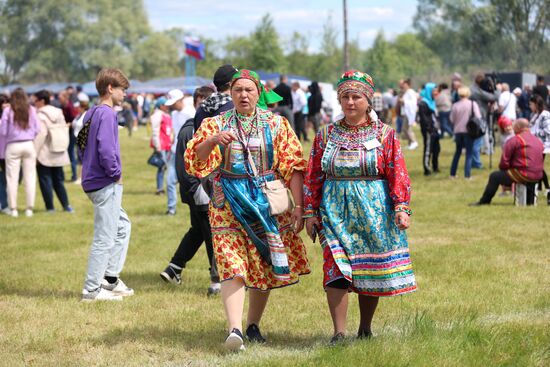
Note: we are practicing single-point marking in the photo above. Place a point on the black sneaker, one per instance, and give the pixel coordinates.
(170, 275)
(364, 334)
(253, 334)
(337, 339)
(234, 340)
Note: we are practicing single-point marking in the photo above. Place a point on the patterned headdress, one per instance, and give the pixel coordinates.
(357, 82)
(266, 96)
(247, 74)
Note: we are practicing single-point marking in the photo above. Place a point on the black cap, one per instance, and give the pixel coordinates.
(223, 75)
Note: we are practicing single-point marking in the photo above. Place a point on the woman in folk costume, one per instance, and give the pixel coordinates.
(357, 193)
(246, 147)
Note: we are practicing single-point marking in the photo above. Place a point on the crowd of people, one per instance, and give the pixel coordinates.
(237, 157)
(441, 111)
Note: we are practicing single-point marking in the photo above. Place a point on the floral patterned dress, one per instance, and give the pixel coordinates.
(249, 243)
(355, 182)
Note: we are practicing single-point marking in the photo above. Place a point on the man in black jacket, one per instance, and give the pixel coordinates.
(193, 194)
(221, 100)
(284, 107)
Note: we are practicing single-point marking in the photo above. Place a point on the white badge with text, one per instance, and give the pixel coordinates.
(371, 144)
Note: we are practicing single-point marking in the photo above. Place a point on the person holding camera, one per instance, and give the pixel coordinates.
(482, 92)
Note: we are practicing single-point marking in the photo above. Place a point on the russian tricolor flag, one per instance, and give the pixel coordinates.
(194, 47)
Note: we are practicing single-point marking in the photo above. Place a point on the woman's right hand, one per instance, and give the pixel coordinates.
(223, 138)
(310, 224)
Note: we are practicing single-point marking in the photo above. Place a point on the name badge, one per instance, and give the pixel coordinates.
(371, 144)
(254, 142)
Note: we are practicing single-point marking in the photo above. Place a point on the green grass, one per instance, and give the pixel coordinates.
(483, 297)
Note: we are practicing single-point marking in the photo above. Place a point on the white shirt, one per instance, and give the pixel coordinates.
(410, 105)
(298, 100)
(507, 101)
(178, 120)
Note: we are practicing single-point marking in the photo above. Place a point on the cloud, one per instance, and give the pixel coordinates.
(220, 19)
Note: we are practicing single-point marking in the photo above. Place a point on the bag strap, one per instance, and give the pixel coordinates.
(252, 164)
(47, 116)
(92, 115)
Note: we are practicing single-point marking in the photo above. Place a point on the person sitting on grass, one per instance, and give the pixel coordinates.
(521, 162)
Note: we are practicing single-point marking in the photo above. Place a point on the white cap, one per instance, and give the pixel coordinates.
(83, 97)
(173, 96)
(517, 91)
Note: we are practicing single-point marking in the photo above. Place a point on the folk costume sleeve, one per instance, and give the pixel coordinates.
(315, 177)
(193, 165)
(395, 171)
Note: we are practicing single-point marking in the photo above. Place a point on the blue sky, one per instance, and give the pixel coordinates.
(218, 19)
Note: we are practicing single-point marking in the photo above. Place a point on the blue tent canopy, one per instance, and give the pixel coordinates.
(156, 86)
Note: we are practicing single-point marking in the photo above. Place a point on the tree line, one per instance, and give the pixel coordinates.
(62, 40)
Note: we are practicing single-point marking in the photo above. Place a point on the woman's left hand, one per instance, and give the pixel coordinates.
(297, 220)
(402, 220)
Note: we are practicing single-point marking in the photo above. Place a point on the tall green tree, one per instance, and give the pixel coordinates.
(497, 34)
(328, 62)
(68, 39)
(155, 57)
(266, 52)
(382, 62)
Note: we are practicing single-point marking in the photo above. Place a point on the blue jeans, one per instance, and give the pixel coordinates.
(51, 179)
(171, 181)
(463, 140)
(398, 124)
(3, 185)
(72, 154)
(476, 154)
(160, 171)
(445, 123)
(111, 236)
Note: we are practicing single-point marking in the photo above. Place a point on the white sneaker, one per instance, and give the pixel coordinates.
(235, 341)
(100, 294)
(28, 213)
(6, 211)
(118, 288)
(413, 145)
(14, 213)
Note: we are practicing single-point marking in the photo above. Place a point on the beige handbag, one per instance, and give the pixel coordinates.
(278, 195)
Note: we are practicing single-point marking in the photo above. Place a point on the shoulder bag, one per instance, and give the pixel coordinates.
(476, 127)
(278, 195)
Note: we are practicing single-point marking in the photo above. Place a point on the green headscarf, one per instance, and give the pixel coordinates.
(266, 96)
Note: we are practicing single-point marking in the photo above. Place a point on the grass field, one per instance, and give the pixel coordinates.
(483, 297)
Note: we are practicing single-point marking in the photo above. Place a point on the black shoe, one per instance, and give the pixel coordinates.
(235, 341)
(364, 334)
(548, 198)
(171, 275)
(427, 172)
(253, 334)
(337, 339)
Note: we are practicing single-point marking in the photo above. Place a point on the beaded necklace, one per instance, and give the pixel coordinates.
(246, 126)
(353, 136)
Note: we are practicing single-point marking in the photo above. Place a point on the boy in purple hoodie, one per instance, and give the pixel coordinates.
(102, 182)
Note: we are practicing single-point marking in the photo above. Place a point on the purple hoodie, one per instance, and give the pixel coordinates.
(10, 132)
(101, 159)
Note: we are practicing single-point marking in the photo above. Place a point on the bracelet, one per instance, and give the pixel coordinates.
(297, 206)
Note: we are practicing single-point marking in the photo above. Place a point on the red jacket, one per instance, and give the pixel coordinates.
(522, 158)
